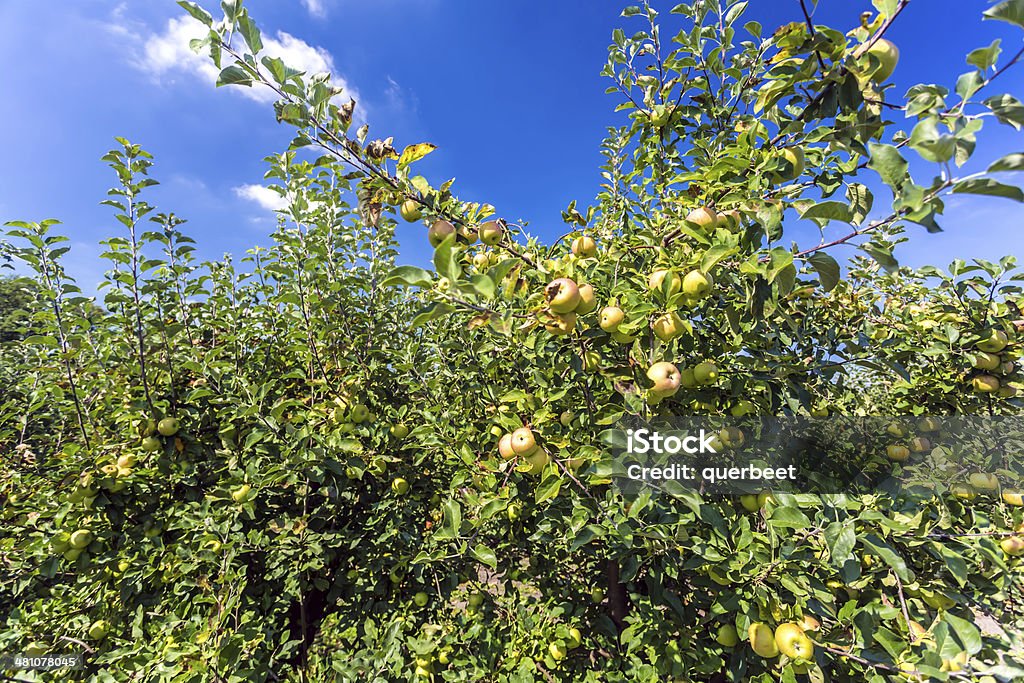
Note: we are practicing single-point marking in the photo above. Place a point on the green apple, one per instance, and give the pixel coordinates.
(596, 595)
(147, 427)
(697, 285)
(584, 246)
(705, 218)
(749, 502)
(475, 599)
(400, 486)
(360, 413)
(72, 554)
(538, 460)
(983, 481)
(963, 491)
(742, 408)
(60, 541)
(491, 233)
(985, 384)
(611, 317)
(524, 442)
(987, 361)
(762, 640)
(98, 630)
(36, 649)
(151, 444)
(168, 426)
(687, 379)
(566, 418)
(241, 494)
(669, 326)
(792, 160)
(80, 539)
(439, 232)
(557, 651)
(514, 511)
(994, 341)
(591, 361)
(560, 324)
(1013, 497)
(897, 452)
(1012, 546)
(727, 636)
(887, 55)
(665, 377)
(575, 638)
(399, 431)
(588, 300)
(656, 282)
(410, 210)
(705, 373)
(562, 295)
(793, 642)
(421, 599)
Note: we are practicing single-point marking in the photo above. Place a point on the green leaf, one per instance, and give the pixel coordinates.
(1007, 109)
(827, 269)
(452, 521)
(250, 33)
(409, 276)
(1010, 11)
(829, 211)
(432, 312)
(549, 487)
(987, 186)
(985, 57)
(889, 164)
(879, 547)
(966, 632)
(445, 258)
(483, 285)
(234, 75)
(1011, 162)
(930, 143)
(197, 12)
(715, 254)
(415, 153)
(485, 555)
(789, 517)
(841, 540)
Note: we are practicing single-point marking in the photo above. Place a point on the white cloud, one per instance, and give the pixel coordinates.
(315, 7)
(264, 196)
(167, 54)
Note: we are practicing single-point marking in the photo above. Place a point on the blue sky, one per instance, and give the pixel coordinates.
(509, 91)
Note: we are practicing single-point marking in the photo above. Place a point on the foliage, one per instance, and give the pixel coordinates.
(269, 532)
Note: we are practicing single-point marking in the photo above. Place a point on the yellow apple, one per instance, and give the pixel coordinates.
(591, 361)
(523, 441)
(762, 640)
(704, 218)
(897, 452)
(538, 460)
(584, 246)
(994, 342)
(697, 285)
(665, 376)
(887, 55)
(656, 281)
(793, 164)
(920, 444)
(669, 326)
(562, 295)
(400, 486)
(560, 324)
(611, 317)
(987, 361)
(793, 642)
(505, 447)
(727, 636)
(98, 630)
(1012, 546)
(705, 373)
(241, 494)
(411, 210)
(809, 623)
(983, 481)
(588, 300)
(491, 233)
(439, 232)
(80, 539)
(985, 384)
(1013, 497)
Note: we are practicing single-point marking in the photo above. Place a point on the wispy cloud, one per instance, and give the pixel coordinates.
(315, 8)
(263, 196)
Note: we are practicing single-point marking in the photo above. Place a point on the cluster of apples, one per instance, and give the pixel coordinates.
(789, 638)
(522, 443)
(490, 233)
(994, 364)
(72, 545)
(566, 300)
(900, 452)
(150, 430)
(667, 379)
(349, 412)
(986, 484)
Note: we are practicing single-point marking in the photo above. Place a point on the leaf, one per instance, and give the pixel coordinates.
(879, 547)
(829, 211)
(966, 632)
(485, 555)
(789, 516)
(987, 186)
(431, 312)
(197, 12)
(1010, 11)
(985, 57)
(445, 258)
(841, 541)
(827, 269)
(415, 153)
(715, 254)
(930, 143)
(452, 521)
(861, 201)
(889, 164)
(1007, 109)
(234, 75)
(549, 487)
(409, 276)
(1011, 162)
(483, 285)
(250, 33)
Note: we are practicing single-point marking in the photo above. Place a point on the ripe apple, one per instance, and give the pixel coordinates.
(151, 444)
(566, 418)
(1012, 546)
(596, 595)
(524, 443)
(742, 408)
(920, 444)
(669, 326)
(611, 317)
(727, 636)
(994, 342)
(98, 630)
(697, 285)
(60, 541)
(575, 638)
(360, 413)
(686, 378)
(481, 260)
(421, 599)
(987, 361)
(809, 623)
(241, 494)
(1013, 497)
(985, 384)
(656, 281)
(749, 502)
(897, 452)
(557, 651)
(505, 447)
(762, 640)
(704, 218)
(888, 55)
(562, 295)
(72, 554)
(560, 324)
(793, 642)
(126, 461)
(514, 511)
(491, 233)
(963, 491)
(896, 429)
(538, 460)
(410, 210)
(983, 481)
(929, 424)
(584, 246)
(439, 232)
(400, 486)
(591, 361)
(399, 431)
(705, 373)
(475, 599)
(588, 300)
(80, 539)
(793, 164)
(665, 376)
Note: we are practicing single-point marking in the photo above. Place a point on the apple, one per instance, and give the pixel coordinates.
(994, 342)
(126, 461)
(819, 412)
(561, 324)
(792, 159)
(622, 337)
(443, 284)
(147, 427)
(575, 638)
(749, 502)
(562, 295)
(439, 232)
(400, 486)
(896, 429)
(704, 218)
(888, 55)
(505, 449)
(596, 595)
(421, 599)
(422, 672)
(475, 599)
(705, 373)
(985, 384)
(963, 491)
(897, 452)
(916, 630)
(481, 260)
(524, 443)
(72, 554)
(538, 460)
(152, 444)
(36, 649)
(983, 481)
(80, 539)
(1012, 546)
(809, 623)
(742, 408)
(557, 651)
(514, 511)
(929, 424)
(588, 300)
(920, 444)
(399, 431)
(764, 497)
(987, 361)
(241, 494)
(566, 418)
(611, 317)
(1007, 368)
(665, 377)
(697, 285)
(360, 413)
(584, 246)
(762, 640)
(669, 326)
(686, 378)
(727, 636)
(656, 282)
(60, 541)
(591, 361)
(733, 218)
(793, 642)
(491, 233)
(1013, 497)
(98, 630)
(410, 210)
(167, 426)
